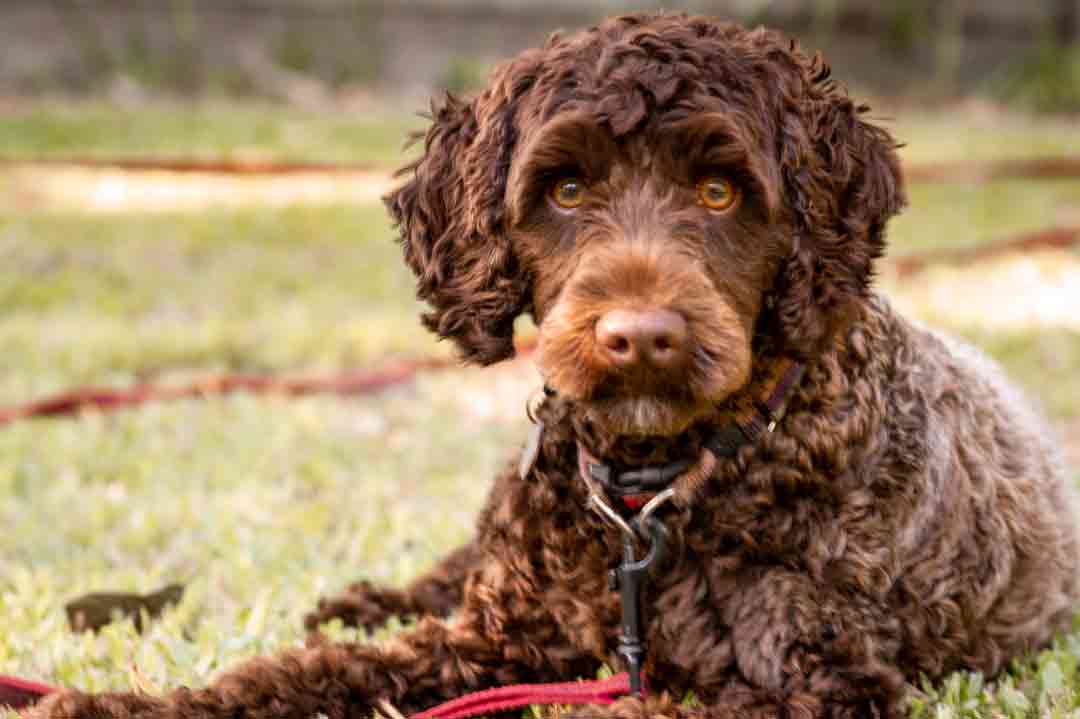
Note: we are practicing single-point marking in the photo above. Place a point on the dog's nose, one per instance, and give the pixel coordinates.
(633, 337)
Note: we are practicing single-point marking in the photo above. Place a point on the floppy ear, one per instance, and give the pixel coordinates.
(842, 179)
(450, 216)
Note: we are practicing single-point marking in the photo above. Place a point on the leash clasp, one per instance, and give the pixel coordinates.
(629, 578)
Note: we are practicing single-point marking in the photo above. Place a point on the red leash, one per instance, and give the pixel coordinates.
(19, 694)
(517, 696)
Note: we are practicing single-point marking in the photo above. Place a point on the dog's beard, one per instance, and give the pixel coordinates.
(644, 415)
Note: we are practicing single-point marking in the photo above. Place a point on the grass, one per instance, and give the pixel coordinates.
(207, 131)
(1040, 686)
(213, 130)
(976, 135)
(260, 505)
(113, 299)
(963, 214)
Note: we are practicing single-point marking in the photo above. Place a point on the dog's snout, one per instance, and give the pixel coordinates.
(628, 338)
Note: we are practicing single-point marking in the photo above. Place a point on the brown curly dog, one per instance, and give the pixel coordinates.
(691, 211)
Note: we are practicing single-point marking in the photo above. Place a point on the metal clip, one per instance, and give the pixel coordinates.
(631, 577)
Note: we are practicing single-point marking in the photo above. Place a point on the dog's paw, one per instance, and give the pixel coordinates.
(761, 652)
(628, 708)
(654, 707)
(67, 704)
(71, 704)
(363, 605)
(780, 615)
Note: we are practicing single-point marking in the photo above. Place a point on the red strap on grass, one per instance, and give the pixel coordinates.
(20, 693)
(601, 691)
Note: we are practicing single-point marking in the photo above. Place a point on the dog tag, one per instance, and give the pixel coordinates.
(532, 450)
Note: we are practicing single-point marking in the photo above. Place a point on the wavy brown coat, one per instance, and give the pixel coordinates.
(908, 516)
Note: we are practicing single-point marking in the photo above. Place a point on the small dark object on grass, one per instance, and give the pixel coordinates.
(93, 611)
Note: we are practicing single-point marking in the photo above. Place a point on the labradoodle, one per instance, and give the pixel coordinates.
(691, 211)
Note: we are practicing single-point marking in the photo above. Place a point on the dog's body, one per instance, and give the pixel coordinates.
(814, 568)
(685, 208)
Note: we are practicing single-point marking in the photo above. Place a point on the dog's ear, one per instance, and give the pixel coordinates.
(450, 216)
(842, 179)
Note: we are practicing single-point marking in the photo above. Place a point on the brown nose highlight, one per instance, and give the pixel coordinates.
(634, 337)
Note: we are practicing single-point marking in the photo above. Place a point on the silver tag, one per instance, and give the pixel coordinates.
(531, 451)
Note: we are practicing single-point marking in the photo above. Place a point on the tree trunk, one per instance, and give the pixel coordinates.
(1068, 22)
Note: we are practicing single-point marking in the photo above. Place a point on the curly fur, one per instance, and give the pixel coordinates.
(907, 517)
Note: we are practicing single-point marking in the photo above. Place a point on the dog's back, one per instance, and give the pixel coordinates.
(991, 557)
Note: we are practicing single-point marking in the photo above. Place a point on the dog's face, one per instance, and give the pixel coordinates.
(650, 255)
(667, 196)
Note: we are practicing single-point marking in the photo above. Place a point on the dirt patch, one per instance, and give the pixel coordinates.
(1040, 240)
(107, 190)
(497, 393)
(1039, 168)
(1021, 291)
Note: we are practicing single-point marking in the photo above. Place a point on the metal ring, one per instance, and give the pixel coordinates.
(602, 508)
(651, 506)
(598, 505)
(536, 398)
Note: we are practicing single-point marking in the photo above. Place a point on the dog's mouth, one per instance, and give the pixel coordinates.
(643, 399)
(640, 431)
(634, 433)
(656, 411)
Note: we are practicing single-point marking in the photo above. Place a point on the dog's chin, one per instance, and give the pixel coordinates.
(644, 415)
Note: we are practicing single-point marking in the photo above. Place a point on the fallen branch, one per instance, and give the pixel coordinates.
(1048, 239)
(106, 399)
(1038, 168)
(353, 383)
(363, 382)
(1045, 168)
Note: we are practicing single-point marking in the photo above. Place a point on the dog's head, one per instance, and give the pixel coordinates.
(667, 195)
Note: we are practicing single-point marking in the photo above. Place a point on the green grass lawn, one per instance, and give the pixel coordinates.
(207, 131)
(954, 134)
(108, 299)
(260, 505)
(213, 130)
(963, 214)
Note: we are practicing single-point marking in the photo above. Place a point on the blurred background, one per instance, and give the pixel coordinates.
(311, 51)
(211, 368)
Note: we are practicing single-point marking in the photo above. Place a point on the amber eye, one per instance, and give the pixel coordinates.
(717, 193)
(568, 192)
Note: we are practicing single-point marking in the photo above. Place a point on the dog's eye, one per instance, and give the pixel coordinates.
(568, 192)
(717, 193)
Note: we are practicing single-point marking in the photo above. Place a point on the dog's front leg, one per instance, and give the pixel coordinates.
(800, 650)
(785, 626)
(834, 690)
(502, 635)
(437, 593)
